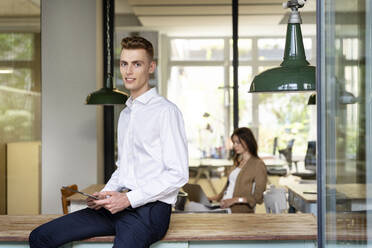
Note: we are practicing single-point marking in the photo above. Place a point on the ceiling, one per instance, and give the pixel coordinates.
(19, 8)
(213, 17)
(178, 17)
(20, 15)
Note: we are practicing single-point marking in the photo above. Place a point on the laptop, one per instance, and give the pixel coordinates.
(196, 194)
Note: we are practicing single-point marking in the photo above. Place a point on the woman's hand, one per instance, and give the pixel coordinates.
(213, 198)
(226, 203)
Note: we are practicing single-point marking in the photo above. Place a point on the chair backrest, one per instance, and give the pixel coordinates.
(275, 145)
(66, 193)
(290, 144)
(287, 152)
(275, 200)
(310, 157)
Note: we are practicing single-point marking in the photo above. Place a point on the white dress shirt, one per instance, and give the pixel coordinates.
(152, 151)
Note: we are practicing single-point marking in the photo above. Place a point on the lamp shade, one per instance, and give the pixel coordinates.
(347, 97)
(294, 73)
(312, 99)
(107, 95)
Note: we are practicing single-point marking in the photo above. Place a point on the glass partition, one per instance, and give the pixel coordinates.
(20, 105)
(344, 103)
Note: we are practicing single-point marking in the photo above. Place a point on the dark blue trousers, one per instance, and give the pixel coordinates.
(132, 227)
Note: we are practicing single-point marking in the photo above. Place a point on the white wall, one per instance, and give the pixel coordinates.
(69, 127)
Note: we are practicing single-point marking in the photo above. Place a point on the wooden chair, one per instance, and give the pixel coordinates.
(66, 193)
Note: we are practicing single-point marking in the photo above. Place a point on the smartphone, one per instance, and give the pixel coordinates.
(84, 194)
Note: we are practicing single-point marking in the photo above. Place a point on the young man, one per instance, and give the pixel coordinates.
(152, 164)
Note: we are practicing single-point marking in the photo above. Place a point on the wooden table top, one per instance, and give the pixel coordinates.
(308, 192)
(352, 191)
(90, 190)
(349, 226)
(212, 162)
(194, 227)
(242, 227)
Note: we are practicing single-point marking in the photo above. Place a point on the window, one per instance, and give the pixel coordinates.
(200, 82)
(197, 49)
(197, 67)
(20, 113)
(204, 116)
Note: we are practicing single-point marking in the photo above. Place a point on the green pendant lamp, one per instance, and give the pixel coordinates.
(294, 73)
(108, 95)
(312, 99)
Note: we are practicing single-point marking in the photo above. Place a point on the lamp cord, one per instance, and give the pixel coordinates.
(108, 38)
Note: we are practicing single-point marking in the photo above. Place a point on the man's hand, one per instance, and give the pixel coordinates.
(113, 201)
(91, 202)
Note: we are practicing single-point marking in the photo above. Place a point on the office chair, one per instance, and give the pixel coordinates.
(310, 157)
(310, 162)
(287, 153)
(275, 145)
(66, 193)
(275, 200)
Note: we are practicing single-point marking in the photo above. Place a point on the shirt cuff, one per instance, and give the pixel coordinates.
(108, 188)
(136, 198)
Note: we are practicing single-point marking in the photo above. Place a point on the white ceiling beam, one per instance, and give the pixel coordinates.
(210, 10)
(18, 8)
(199, 2)
(153, 21)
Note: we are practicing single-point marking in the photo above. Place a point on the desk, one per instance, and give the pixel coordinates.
(192, 230)
(275, 166)
(274, 162)
(353, 194)
(78, 200)
(205, 165)
(352, 197)
(298, 200)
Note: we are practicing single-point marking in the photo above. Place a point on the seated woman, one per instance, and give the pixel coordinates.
(247, 180)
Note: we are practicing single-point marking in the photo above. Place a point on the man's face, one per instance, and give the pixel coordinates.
(135, 68)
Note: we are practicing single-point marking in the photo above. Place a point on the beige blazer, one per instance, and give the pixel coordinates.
(252, 173)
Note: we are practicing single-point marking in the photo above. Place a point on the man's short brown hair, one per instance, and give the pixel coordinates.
(137, 42)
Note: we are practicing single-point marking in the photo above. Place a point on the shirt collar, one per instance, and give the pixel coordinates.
(144, 98)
